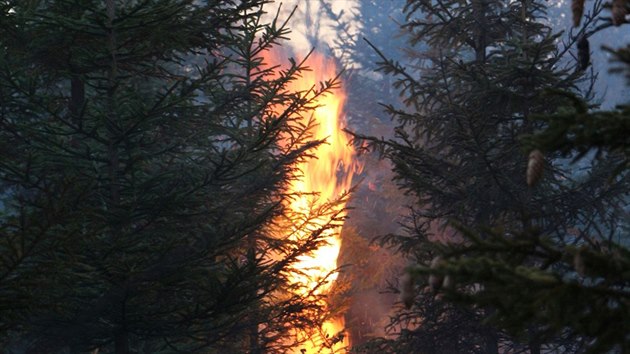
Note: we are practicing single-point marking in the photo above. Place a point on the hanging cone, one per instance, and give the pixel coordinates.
(535, 166)
(435, 280)
(448, 282)
(584, 53)
(407, 293)
(578, 263)
(618, 12)
(577, 6)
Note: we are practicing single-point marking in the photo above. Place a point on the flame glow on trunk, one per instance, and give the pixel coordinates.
(329, 175)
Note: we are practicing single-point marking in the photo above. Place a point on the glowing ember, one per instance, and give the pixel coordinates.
(329, 175)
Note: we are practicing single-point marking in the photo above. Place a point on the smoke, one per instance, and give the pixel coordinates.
(316, 25)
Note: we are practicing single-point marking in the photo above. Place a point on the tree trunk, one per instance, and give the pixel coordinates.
(254, 345)
(492, 342)
(534, 341)
(121, 342)
(491, 337)
(479, 8)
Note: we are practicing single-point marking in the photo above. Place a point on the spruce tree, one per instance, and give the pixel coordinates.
(482, 74)
(143, 174)
(579, 285)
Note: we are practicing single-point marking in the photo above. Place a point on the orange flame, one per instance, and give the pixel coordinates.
(329, 175)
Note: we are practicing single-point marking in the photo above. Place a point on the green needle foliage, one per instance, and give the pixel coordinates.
(533, 280)
(143, 178)
(488, 270)
(575, 131)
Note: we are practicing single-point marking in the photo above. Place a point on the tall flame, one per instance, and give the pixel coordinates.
(329, 175)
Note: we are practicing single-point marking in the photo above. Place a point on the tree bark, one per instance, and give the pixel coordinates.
(534, 341)
(479, 14)
(121, 342)
(254, 345)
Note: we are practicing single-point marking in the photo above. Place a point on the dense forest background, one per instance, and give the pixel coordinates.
(147, 149)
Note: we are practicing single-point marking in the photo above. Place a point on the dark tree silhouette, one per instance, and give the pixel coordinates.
(483, 71)
(142, 178)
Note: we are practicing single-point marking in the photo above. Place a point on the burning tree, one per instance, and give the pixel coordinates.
(480, 236)
(145, 170)
(319, 196)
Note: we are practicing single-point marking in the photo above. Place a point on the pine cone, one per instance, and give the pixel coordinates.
(448, 282)
(578, 9)
(618, 12)
(578, 263)
(407, 293)
(435, 280)
(535, 166)
(584, 53)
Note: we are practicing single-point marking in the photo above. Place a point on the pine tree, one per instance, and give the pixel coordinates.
(482, 74)
(143, 176)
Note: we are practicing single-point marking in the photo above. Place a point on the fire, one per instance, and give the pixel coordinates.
(329, 175)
